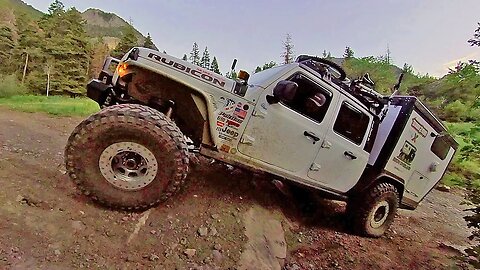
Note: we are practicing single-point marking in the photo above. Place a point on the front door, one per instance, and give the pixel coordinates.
(342, 159)
(288, 135)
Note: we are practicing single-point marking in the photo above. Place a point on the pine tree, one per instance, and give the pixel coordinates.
(195, 54)
(348, 53)
(7, 46)
(265, 66)
(29, 51)
(388, 57)
(149, 43)
(268, 65)
(67, 46)
(128, 41)
(55, 8)
(185, 58)
(205, 62)
(231, 75)
(214, 66)
(287, 54)
(407, 68)
(475, 41)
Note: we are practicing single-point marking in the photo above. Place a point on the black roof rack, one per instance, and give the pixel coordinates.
(361, 88)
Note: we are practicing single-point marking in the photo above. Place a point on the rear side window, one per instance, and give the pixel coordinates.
(440, 147)
(351, 123)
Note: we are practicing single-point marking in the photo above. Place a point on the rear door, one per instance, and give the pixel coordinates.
(342, 159)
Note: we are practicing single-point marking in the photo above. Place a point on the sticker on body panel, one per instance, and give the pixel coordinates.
(225, 148)
(227, 133)
(406, 155)
(240, 113)
(230, 118)
(228, 104)
(419, 127)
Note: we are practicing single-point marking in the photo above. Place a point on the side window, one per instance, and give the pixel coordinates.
(351, 123)
(310, 100)
(440, 147)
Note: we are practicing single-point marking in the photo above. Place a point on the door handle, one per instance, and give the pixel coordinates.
(350, 155)
(312, 136)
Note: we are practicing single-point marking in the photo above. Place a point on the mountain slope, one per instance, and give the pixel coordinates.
(98, 23)
(104, 24)
(21, 8)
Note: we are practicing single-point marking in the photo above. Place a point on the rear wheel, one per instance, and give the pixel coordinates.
(373, 212)
(127, 156)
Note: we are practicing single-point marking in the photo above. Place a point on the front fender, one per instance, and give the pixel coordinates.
(98, 91)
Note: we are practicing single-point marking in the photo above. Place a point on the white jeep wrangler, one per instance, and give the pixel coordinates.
(304, 122)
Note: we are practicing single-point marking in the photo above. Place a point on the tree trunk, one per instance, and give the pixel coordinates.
(48, 81)
(25, 69)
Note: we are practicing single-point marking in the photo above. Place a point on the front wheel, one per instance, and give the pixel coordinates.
(127, 157)
(373, 212)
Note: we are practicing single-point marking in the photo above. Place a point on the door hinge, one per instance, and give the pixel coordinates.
(326, 144)
(315, 167)
(247, 139)
(259, 113)
(411, 192)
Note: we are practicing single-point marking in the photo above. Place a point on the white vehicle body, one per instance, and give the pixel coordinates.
(240, 127)
(412, 159)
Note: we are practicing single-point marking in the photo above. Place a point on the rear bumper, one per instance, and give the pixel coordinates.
(97, 90)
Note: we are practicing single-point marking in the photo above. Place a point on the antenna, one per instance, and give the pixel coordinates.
(234, 64)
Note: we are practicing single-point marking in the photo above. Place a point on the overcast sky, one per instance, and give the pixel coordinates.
(430, 34)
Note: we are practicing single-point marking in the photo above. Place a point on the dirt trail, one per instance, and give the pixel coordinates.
(46, 224)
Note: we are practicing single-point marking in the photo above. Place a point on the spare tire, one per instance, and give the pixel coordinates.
(339, 69)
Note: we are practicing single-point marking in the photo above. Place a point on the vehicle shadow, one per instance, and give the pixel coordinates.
(221, 182)
(215, 181)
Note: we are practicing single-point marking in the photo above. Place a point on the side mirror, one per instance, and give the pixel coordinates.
(283, 91)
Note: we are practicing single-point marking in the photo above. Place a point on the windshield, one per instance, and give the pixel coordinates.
(263, 78)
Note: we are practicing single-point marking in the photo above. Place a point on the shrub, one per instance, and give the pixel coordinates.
(456, 111)
(10, 86)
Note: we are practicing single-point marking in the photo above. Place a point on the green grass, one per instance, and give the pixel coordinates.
(464, 171)
(56, 105)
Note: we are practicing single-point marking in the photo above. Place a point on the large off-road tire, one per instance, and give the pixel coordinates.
(128, 157)
(373, 211)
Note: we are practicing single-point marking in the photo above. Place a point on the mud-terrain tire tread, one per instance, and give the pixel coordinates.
(358, 208)
(138, 115)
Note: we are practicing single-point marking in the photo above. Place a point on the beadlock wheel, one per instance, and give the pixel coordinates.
(379, 214)
(128, 156)
(372, 212)
(128, 165)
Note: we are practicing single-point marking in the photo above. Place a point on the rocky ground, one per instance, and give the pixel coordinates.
(223, 219)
